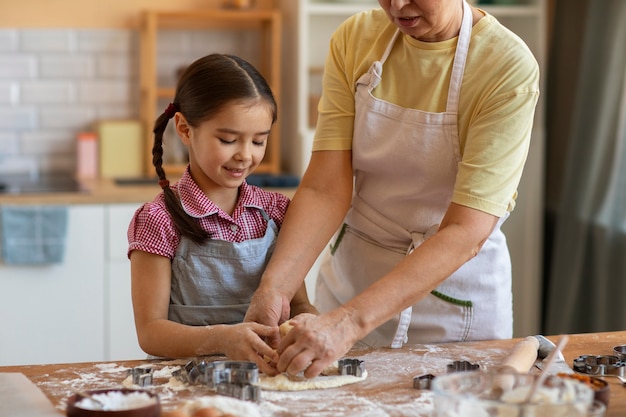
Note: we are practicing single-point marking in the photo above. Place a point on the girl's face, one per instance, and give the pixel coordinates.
(425, 20)
(228, 147)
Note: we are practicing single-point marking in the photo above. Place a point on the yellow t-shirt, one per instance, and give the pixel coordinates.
(499, 92)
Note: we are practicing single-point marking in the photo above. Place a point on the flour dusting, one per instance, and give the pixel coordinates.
(387, 392)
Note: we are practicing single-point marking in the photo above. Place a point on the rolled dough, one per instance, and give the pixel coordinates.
(330, 378)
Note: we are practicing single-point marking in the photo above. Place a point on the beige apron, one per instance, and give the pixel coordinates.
(405, 165)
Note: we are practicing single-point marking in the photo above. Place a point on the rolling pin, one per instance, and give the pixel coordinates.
(522, 356)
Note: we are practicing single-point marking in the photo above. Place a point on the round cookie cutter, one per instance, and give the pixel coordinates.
(620, 352)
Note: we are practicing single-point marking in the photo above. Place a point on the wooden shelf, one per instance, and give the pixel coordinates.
(269, 25)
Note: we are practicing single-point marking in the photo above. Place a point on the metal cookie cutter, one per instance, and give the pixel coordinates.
(602, 365)
(349, 366)
(231, 372)
(192, 372)
(461, 366)
(142, 376)
(620, 352)
(246, 392)
(231, 378)
(423, 381)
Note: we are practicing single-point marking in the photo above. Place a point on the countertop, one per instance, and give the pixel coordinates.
(388, 390)
(100, 191)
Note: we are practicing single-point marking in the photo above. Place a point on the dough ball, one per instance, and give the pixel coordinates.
(285, 328)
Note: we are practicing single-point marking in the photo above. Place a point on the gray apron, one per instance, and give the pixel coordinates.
(212, 283)
(405, 163)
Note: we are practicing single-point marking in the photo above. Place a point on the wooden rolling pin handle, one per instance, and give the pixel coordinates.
(522, 357)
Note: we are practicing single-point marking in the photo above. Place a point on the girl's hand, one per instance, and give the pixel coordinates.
(315, 342)
(245, 342)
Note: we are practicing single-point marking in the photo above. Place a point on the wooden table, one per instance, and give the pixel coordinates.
(388, 390)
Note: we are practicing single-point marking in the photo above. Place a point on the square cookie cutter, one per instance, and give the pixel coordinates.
(351, 366)
(424, 381)
(141, 375)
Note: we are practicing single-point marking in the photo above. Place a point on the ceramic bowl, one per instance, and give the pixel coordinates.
(152, 409)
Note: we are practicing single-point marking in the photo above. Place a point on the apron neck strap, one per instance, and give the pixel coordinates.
(460, 56)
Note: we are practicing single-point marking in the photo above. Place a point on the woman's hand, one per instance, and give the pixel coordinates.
(315, 342)
(269, 308)
(245, 342)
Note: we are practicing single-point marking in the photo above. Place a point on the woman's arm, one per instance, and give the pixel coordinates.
(300, 303)
(158, 336)
(315, 342)
(315, 213)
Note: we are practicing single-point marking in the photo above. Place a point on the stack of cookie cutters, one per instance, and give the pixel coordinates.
(425, 381)
(235, 379)
(604, 365)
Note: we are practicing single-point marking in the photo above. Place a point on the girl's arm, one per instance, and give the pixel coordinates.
(158, 336)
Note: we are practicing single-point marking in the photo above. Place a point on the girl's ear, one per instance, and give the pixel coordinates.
(182, 128)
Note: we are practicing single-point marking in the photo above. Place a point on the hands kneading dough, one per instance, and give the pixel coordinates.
(329, 378)
(285, 328)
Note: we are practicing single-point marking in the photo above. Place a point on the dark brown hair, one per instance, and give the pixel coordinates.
(204, 88)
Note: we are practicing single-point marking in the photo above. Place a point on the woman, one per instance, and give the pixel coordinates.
(429, 105)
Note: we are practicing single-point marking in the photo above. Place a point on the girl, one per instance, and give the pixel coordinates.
(198, 250)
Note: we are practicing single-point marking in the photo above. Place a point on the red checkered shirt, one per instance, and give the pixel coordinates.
(152, 229)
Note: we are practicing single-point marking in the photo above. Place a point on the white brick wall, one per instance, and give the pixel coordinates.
(56, 82)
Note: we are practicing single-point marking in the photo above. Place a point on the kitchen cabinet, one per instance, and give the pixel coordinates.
(266, 25)
(55, 313)
(121, 341)
(79, 310)
(311, 23)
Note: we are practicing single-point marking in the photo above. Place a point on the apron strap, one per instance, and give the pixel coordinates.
(460, 56)
(402, 332)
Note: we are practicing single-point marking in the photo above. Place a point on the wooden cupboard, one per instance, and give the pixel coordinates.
(267, 26)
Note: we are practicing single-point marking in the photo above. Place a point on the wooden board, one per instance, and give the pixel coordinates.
(22, 398)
